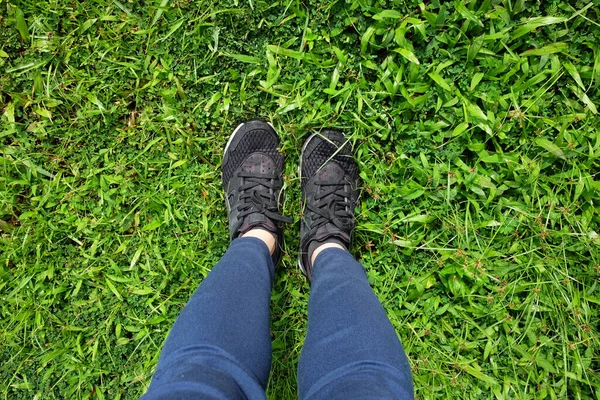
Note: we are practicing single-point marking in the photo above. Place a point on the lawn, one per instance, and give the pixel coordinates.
(476, 129)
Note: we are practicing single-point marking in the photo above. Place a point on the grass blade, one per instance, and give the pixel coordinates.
(534, 23)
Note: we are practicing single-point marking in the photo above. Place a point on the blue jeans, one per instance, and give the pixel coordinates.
(220, 347)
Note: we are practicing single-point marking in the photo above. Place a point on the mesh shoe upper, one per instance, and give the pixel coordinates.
(258, 138)
(320, 148)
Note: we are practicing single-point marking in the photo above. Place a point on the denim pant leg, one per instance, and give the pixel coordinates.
(220, 346)
(351, 349)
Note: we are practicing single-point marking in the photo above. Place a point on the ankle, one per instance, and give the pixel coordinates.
(267, 237)
(328, 245)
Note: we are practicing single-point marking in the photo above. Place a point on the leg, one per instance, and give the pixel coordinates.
(351, 348)
(220, 346)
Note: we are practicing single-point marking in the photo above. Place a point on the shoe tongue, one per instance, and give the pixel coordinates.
(330, 231)
(327, 233)
(315, 244)
(257, 220)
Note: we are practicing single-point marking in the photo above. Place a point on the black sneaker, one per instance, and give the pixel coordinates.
(251, 175)
(329, 176)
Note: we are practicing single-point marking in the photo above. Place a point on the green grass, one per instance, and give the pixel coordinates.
(477, 133)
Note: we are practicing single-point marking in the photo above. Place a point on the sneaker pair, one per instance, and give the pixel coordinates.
(252, 179)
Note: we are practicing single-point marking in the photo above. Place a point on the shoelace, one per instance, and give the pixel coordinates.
(331, 205)
(259, 196)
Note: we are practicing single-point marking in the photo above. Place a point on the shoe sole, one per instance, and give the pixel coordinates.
(231, 139)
